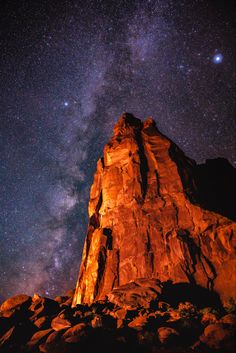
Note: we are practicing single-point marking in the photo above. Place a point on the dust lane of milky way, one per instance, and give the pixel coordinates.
(68, 70)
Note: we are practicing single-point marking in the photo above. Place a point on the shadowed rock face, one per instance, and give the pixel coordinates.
(145, 220)
(216, 184)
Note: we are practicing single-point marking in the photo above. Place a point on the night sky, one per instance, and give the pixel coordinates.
(68, 69)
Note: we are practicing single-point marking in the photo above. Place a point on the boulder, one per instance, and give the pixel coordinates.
(121, 313)
(168, 335)
(39, 337)
(59, 323)
(53, 343)
(229, 319)
(139, 293)
(219, 336)
(97, 321)
(20, 300)
(61, 299)
(139, 322)
(75, 330)
(7, 338)
(16, 307)
(174, 315)
(68, 302)
(208, 318)
(76, 333)
(17, 336)
(120, 323)
(43, 307)
(44, 322)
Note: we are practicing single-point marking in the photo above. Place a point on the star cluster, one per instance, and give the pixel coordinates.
(68, 70)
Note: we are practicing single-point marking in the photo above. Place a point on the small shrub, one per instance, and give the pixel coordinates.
(210, 310)
(188, 311)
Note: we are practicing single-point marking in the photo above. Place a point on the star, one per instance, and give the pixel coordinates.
(66, 104)
(217, 58)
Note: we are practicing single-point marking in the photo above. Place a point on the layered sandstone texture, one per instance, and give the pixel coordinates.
(145, 220)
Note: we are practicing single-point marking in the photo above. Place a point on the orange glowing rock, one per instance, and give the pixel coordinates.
(145, 221)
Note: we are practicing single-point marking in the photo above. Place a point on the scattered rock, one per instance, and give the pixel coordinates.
(174, 315)
(43, 307)
(219, 336)
(61, 299)
(7, 337)
(17, 335)
(120, 313)
(130, 330)
(53, 343)
(74, 334)
(120, 323)
(168, 335)
(78, 314)
(15, 302)
(163, 306)
(97, 321)
(68, 302)
(228, 319)
(59, 323)
(44, 322)
(187, 310)
(65, 300)
(146, 338)
(75, 330)
(16, 306)
(138, 293)
(55, 336)
(66, 313)
(208, 318)
(139, 322)
(39, 337)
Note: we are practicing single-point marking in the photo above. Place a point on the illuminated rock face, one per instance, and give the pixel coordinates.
(145, 222)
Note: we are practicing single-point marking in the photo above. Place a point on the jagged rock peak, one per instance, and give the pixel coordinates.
(128, 120)
(145, 222)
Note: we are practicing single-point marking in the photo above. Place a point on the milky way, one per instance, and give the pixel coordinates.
(68, 71)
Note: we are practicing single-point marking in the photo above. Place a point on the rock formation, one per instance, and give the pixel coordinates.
(146, 222)
(155, 251)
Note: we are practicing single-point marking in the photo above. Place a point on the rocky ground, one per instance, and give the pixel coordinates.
(36, 324)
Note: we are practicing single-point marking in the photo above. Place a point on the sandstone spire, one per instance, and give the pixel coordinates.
(144, 221)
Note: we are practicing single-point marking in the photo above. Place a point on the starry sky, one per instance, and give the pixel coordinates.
(68, 69)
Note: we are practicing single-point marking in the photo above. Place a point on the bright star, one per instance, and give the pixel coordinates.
(217, 58)
(66, 104)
